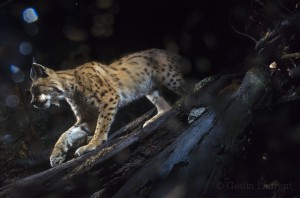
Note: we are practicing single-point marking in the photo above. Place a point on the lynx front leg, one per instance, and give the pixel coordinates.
(104, 122)
(161, 105)
(67, 140)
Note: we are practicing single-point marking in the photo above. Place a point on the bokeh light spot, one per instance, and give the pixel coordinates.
(172, 47)
(6, 139)
(18, 77)
(12, 101)
(25, 48)
(102, 25)
(14, 69)
(103, 19)
(104, 4)
(74, 34)
(170, 44)
(203, 64)
(30, 15)
(210, 40)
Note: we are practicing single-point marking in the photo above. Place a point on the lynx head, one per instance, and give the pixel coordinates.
(46, 88)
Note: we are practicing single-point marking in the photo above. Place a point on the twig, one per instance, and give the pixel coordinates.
(286, 8)
(292, 55)
(241, 33)
(5, 3)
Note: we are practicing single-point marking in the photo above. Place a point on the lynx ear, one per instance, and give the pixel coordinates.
(39, 71)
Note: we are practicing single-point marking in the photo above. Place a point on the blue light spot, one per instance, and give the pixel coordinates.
(30, 15)
(25, 48)
(14, 69)
(6, 139)
(12, 101)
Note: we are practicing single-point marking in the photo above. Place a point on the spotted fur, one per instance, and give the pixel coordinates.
(95, 92)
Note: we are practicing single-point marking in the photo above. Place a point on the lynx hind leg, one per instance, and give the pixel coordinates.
(173, 80)
(161, 105)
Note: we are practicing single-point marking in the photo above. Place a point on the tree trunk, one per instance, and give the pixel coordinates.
(185, 153)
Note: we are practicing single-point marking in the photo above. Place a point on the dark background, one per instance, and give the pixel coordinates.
(68, 33)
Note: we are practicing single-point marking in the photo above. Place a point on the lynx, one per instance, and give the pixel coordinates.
(95, 92)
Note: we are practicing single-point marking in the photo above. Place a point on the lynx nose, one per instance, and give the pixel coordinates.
(36, 102)
(33, 101)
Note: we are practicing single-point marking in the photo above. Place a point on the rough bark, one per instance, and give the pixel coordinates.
(186, 151)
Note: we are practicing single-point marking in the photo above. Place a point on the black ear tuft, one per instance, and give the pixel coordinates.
(32, 74)
(38, 71)
(33, 60)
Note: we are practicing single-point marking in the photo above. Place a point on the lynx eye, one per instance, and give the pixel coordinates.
(56, 90)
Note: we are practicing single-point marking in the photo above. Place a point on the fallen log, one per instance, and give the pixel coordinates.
(195, 162)
(186, 149)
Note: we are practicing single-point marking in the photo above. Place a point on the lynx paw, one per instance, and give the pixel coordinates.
(147, 123)
(84, 149)
(57, 158)
(152, 119)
